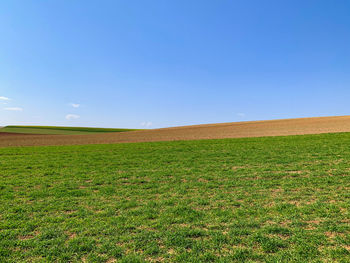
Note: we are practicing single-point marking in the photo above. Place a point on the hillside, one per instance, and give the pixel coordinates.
(58, 130)
(196, 132)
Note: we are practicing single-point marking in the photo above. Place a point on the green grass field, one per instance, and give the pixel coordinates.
(276, 199)
(59, 130)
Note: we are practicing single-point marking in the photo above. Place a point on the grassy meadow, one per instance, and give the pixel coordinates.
(59, 130)
(273, 199)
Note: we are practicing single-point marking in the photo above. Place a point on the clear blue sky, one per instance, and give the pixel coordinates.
(165, 63)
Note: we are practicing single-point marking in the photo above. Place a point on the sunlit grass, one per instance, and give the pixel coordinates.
(277, 199)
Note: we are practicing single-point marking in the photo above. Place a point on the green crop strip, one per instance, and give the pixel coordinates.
(276, 199)
(60, 130)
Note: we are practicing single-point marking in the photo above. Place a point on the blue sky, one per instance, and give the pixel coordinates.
(166, 63)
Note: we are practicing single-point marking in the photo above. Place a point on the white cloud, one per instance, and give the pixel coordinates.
(242, 115)
(14, 109)
(75, 105)
(72, 117)
(146, 124)
(4, 98)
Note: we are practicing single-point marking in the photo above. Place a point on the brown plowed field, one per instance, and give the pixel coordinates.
(6, 134)
(195, 132)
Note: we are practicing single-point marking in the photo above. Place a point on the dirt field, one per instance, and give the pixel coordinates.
(6, 134)
(195, 132)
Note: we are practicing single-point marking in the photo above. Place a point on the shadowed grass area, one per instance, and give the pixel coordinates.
(59, 130)
(275, 199)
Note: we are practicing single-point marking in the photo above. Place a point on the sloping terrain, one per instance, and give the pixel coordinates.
(209, 131)
(58, 130)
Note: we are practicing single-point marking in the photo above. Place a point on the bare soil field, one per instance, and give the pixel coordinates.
(6, 134)
(195, 132)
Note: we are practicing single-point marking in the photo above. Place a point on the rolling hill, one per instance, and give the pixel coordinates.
(58, 130)
(283, 127)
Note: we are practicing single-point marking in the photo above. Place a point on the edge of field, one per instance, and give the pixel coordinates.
(59, 130)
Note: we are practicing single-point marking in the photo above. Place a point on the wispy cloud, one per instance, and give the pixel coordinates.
(242, 115)
(14, 109)
(146, 124)
(4, 98)
(75, 105)
(72, 117)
